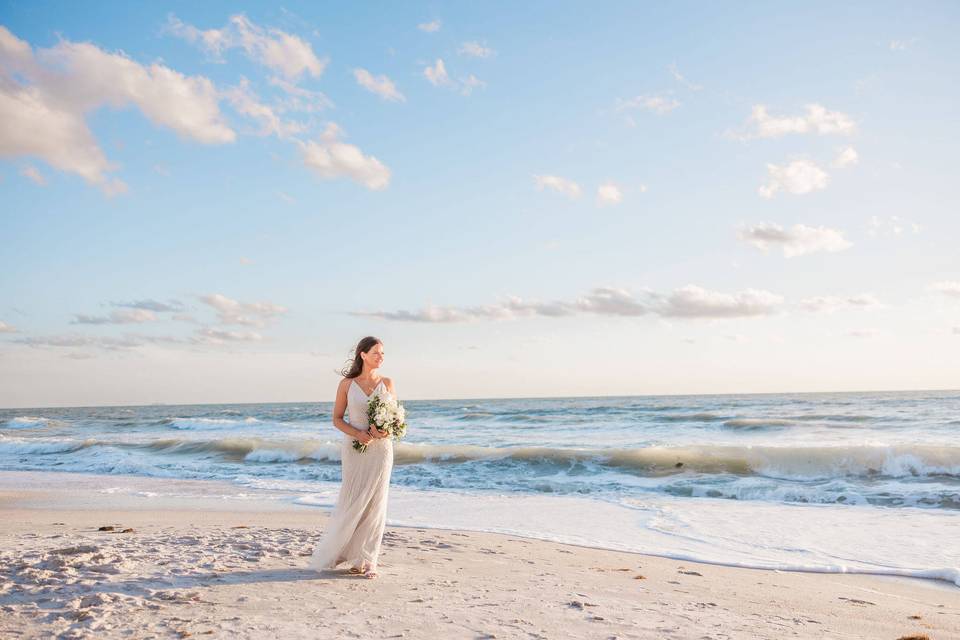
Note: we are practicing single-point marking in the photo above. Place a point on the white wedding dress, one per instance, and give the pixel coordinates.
(355, 529)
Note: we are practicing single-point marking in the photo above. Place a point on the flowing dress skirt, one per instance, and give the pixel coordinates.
(355, 529)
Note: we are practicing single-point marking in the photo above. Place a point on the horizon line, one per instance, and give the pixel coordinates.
(651, 395)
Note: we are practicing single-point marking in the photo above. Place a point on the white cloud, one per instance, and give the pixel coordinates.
(152, 305)
(278, 50)
(687, 302)
(609, 194)
(471, 82)
(672, 67)
(796, 241)
(799, 177)
(45, 98)
(74, 340)
(902, 45)
(7, 328)
(657, 104)
(475, 50)
(568, 188)
(890, 226)
(429, 27)
(611, 301)
(380, 85)
(830, 304)
(437, 74)
(253, 314)
(949, 288)
(247, 103)
(33, 174)
(210, 335)
(817, 119)
(300, 99)
(692, 301)
(846, 158)
(330, 158)
(122, 316)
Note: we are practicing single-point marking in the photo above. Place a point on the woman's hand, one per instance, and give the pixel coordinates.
(363, 437)
(376, 433)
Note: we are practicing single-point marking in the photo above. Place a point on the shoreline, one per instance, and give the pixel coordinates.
(411, 510)
(203, 564)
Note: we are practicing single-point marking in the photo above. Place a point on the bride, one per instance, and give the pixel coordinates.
(355, 529)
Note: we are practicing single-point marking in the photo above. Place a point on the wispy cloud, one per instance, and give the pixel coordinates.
(34, 175)
(7, 328)
(277, 50)
(475, 50)
(846, 158)
(430, 27)
(211, 335)
(152, 305)
(658, 104)
(330, 158)
(830, 304)
(73, 341)
(247, 103)
(799, 177)
(471, 82)
(254, 314)
(299, 99)
(436, 74)
(380, 85)
(672, 67)
(686, 302)
(568, 188)
(817, 120)
(121, 316)
(902, 45)
(609, 193)
(798, 240)
(890, 226)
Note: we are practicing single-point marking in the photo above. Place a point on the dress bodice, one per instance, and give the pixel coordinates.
(357, 404)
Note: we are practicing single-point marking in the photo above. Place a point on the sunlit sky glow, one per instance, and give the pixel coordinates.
(203, 204)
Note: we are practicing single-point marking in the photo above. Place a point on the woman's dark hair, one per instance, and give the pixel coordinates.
(353, 369)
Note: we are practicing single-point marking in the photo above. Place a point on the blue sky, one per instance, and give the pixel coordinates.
(536, 199)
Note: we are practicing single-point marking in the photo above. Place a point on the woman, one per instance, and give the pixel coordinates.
(355, 529)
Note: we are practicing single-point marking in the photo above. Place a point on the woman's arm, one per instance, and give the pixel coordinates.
(339, 407)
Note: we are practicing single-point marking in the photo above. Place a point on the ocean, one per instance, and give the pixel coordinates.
(832, 482)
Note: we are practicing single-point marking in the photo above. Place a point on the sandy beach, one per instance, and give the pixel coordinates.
(199, 566)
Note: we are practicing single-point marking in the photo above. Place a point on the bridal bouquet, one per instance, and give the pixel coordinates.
(387, 415)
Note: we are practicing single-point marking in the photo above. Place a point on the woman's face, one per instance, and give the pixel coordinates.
(374, 357)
